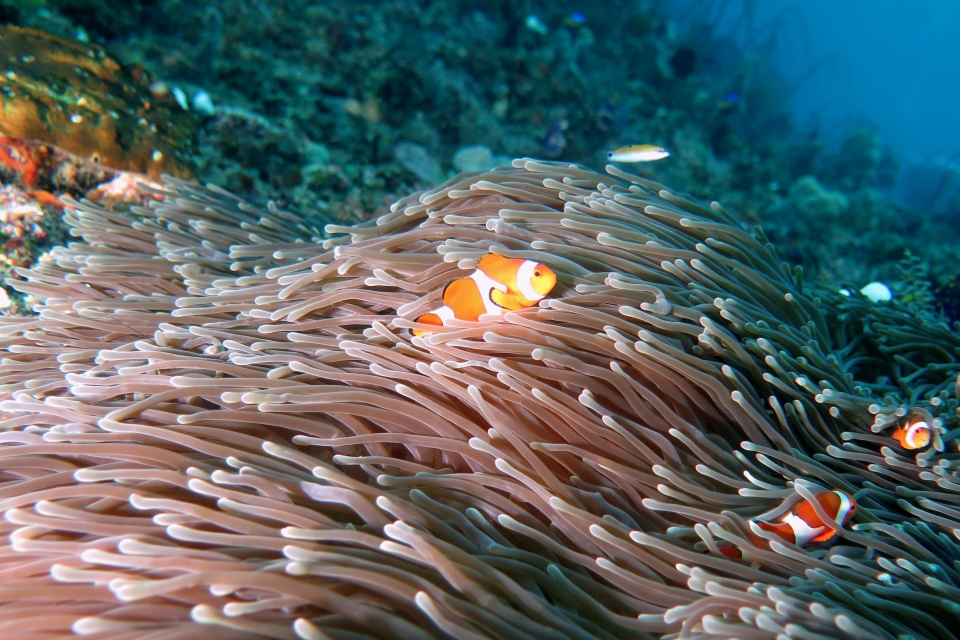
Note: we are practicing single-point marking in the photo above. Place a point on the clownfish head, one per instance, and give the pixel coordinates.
(847, 508)
(541, 278)
(839, 505)
(913, 436)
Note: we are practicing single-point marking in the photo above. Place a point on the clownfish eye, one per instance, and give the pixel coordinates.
(537, 274)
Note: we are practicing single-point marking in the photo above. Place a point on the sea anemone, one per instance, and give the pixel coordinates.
(220, 423)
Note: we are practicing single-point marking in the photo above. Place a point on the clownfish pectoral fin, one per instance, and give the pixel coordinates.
(505, 300)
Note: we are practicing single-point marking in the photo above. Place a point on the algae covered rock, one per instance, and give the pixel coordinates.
(810, 199)
(476, 157)
(72, 95)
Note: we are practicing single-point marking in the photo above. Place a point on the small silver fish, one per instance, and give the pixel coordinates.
(638, 153)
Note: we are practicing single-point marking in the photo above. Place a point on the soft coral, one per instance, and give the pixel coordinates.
(22, 157)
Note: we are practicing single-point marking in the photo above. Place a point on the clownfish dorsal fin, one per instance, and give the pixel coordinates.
(501, 269)
(837, 504)
(491, 261)
(829, 501)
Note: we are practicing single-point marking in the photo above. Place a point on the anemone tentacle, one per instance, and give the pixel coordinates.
(220, 419)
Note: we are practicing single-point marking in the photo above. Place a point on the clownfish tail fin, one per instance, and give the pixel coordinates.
(732, 552)
(427, 318)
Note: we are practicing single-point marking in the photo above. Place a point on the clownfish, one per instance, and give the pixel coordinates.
(499, 284)
(914, 436)
(802, 526)
(638, 153)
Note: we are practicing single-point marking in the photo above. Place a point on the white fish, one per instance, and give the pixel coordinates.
(638, 153)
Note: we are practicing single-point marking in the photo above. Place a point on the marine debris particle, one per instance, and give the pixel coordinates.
(72, 95)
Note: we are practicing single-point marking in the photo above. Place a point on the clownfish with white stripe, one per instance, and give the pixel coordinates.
(498, 285)
(802, 526)
(914, 436)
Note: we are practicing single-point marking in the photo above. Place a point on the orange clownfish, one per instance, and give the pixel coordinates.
(498, 285)
(802, 526)
(914, 436)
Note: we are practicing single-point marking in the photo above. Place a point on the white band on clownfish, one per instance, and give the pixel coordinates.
(845, 507)
(486, 284)
(524, 279)
(803, 533)
(445, 313)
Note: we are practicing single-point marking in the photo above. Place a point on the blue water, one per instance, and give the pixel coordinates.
(892, 64)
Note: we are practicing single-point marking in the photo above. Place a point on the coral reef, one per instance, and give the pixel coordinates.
(35, 175)
(475, 74)
(220, 419)
(72, 95)
(815, 204)
(336, 108)
(28, 228)
(73, 121)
